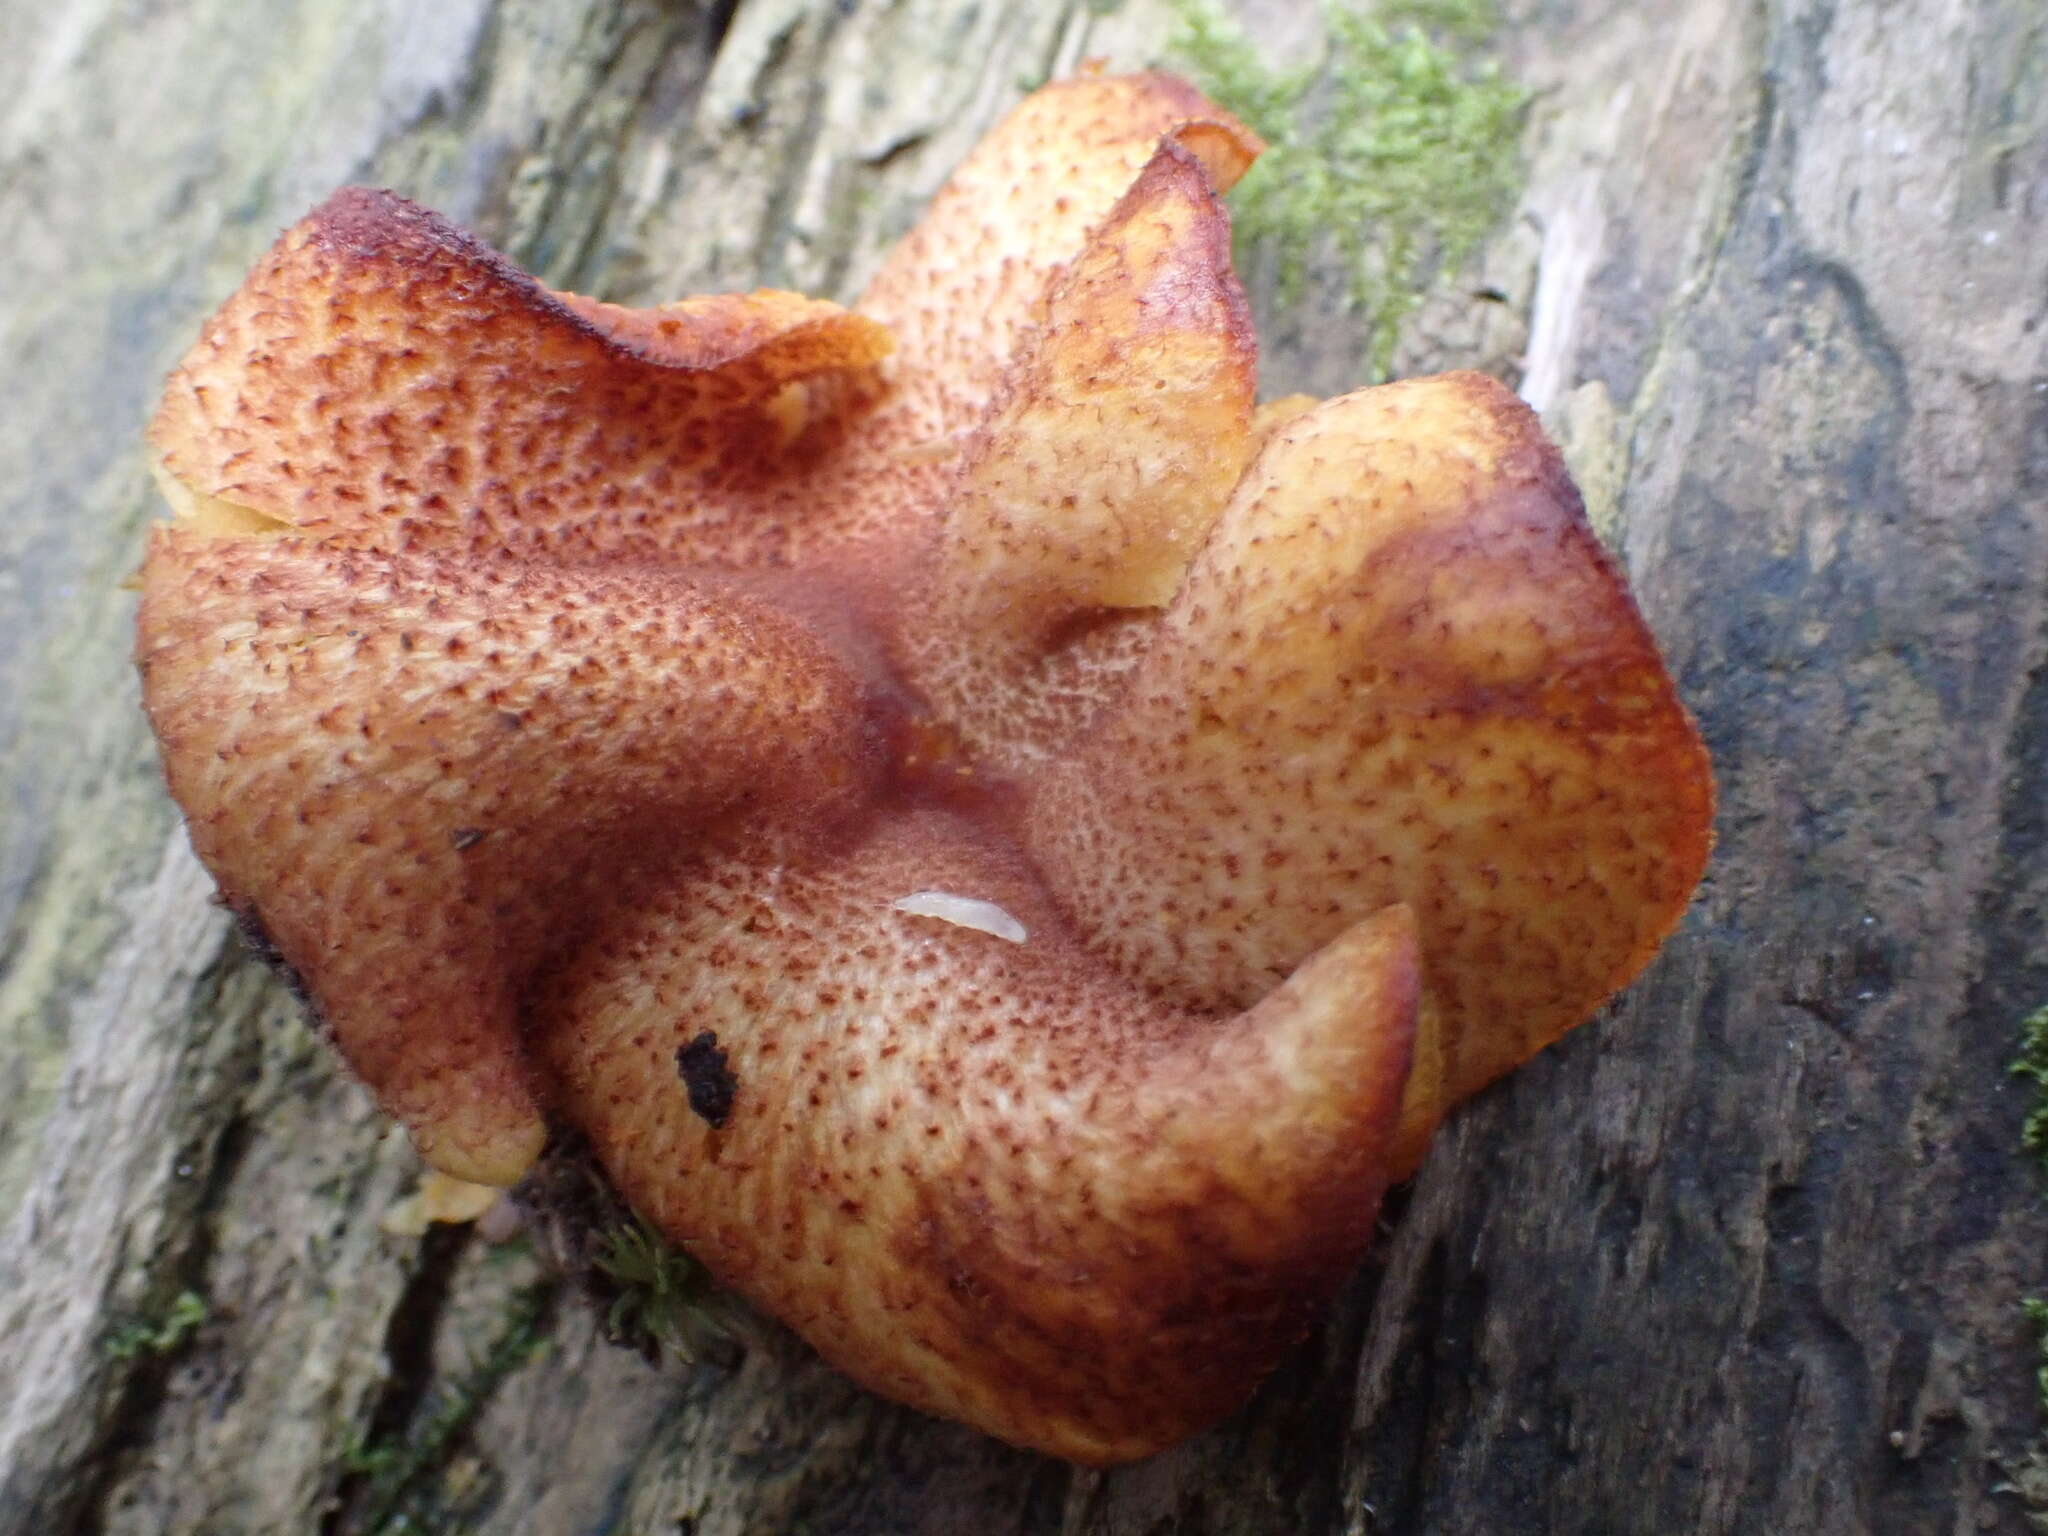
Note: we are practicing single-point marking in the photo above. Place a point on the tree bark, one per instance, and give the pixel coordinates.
(1744, 1255)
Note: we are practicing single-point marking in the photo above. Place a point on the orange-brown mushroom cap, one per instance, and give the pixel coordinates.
(1003, 849)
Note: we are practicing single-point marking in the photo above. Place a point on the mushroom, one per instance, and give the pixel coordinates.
(1004, 848)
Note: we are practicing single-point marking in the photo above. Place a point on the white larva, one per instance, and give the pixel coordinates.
(963, 912)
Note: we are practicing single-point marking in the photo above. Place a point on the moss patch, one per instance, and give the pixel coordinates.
(2029, 1479)
(1392, 155)
(663, 1303)
(180, 1321)
(2032, 1064)
(2037, 1313)
(412, 1482)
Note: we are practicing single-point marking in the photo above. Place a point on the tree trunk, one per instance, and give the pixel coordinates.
(1745, 1255)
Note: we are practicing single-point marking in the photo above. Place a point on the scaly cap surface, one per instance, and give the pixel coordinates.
(571, 697)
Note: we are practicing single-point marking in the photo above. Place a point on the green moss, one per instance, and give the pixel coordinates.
(2037, 1313)
(186, 1312)
(665, 1301)
(2032, 1064)
(405, 1476)
(1393, 154)
(2029, 1479)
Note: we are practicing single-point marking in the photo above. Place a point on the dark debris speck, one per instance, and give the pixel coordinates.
(711, 1085)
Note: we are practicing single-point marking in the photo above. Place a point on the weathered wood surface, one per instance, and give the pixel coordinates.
(1744, 1256)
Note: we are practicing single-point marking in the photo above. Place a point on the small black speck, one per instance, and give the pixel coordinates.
(702, 1067)
(465, 838)
(510, 719)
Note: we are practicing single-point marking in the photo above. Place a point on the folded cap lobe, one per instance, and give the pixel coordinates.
(560, 688)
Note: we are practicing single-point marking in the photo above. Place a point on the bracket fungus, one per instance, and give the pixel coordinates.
(1004, 847)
